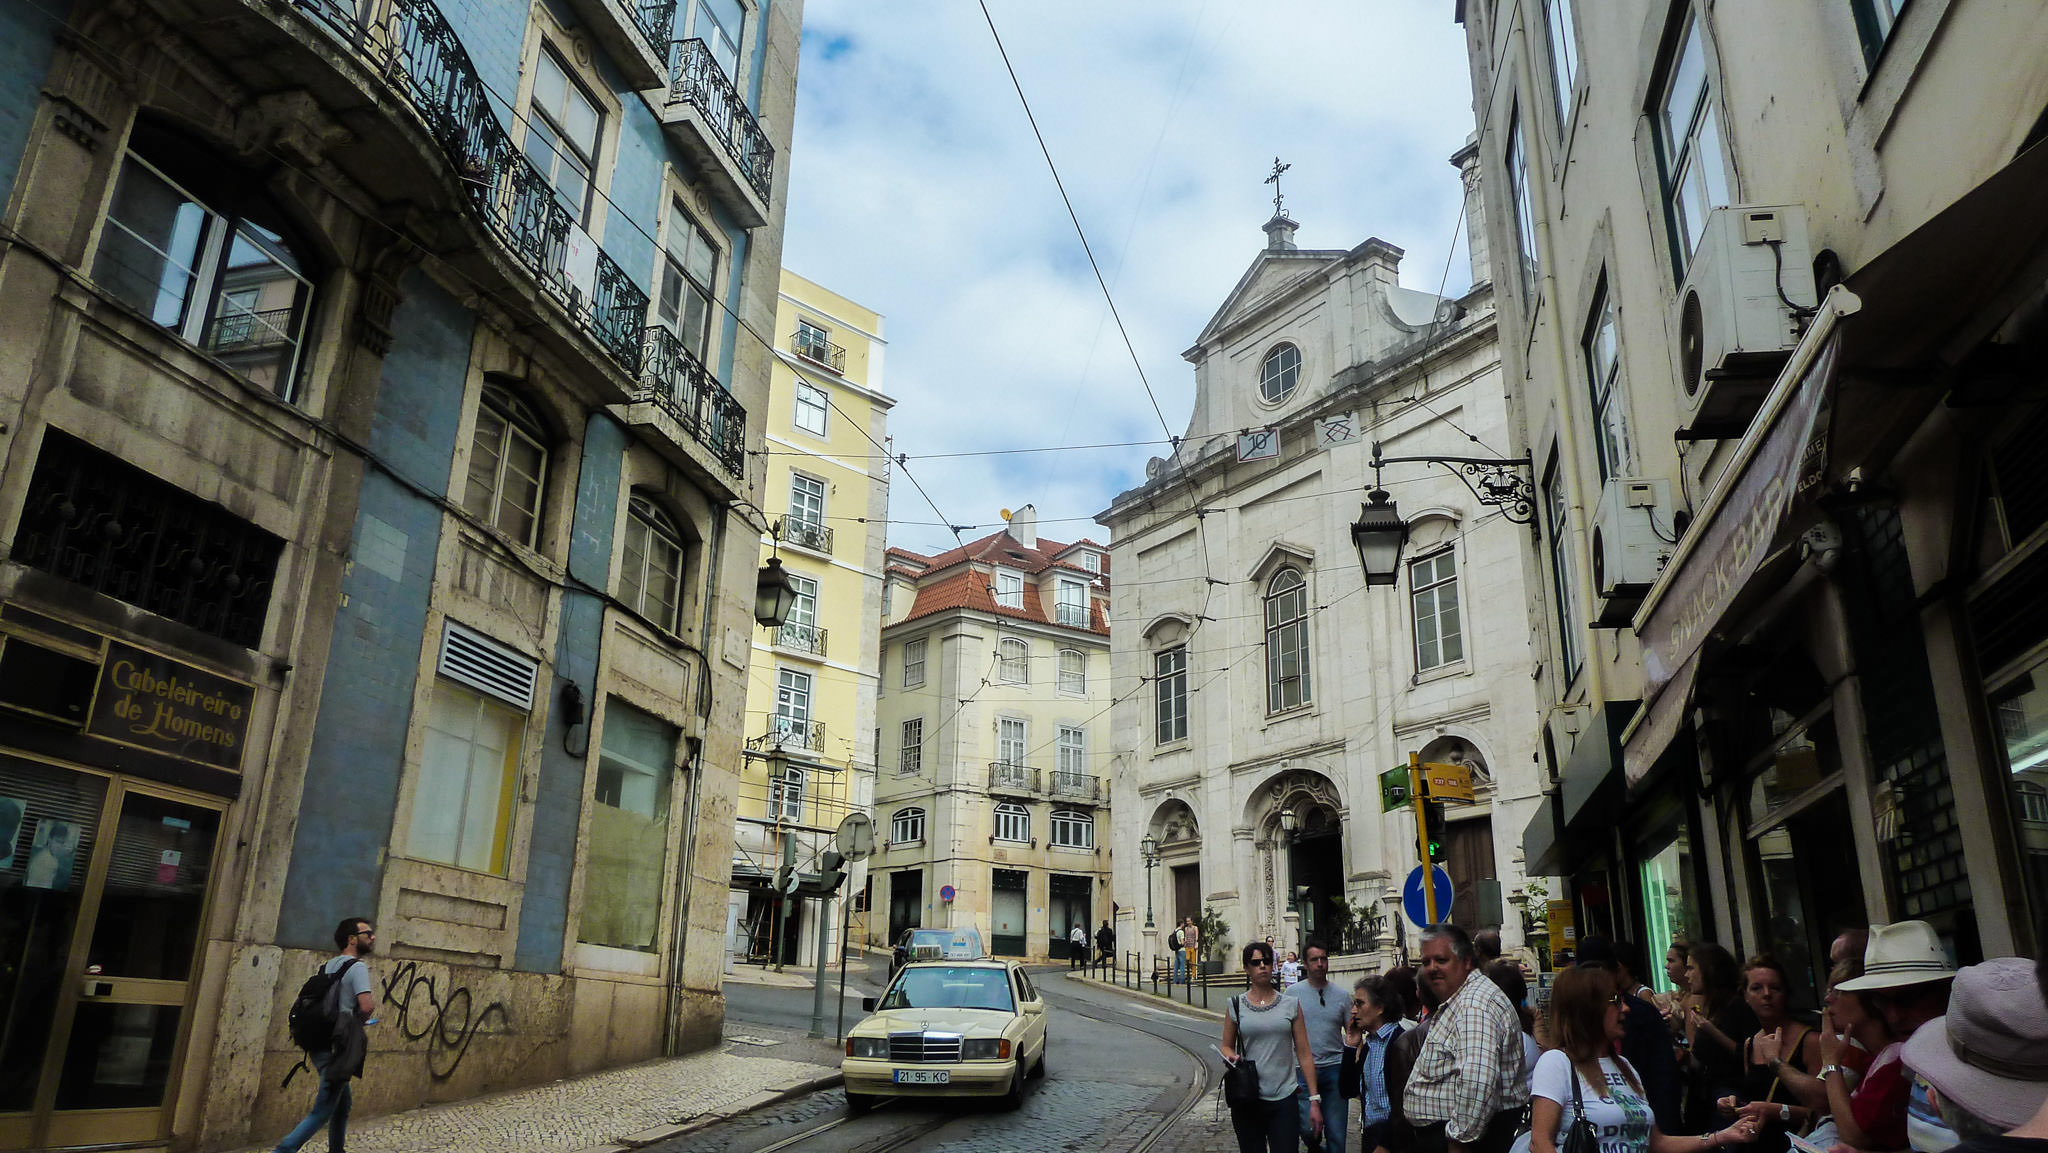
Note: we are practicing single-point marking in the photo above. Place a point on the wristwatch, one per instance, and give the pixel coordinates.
(1827, 1069)
(1784, 1112)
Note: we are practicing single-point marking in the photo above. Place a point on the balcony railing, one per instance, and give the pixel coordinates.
(672, 378)
(413, 47)
(1071, 614)
(655, 19)
(1076, 786)
(241, 331)
(802, 638)
(696, 79)
(790, 734)
(810, 534)
(1008, 778)
(807, 343)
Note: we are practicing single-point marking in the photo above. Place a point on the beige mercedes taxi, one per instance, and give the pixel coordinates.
(948, 1028)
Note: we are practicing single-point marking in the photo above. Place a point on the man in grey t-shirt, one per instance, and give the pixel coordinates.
(357, 940)
(1324, 1008)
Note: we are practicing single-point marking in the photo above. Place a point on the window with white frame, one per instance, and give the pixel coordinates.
(1874, 22)
(1287, 669)
(907, 826)
(1091, 561)
(508, 465)
(913, 663)
(1689, 143)
(793, 705)
(1603, 370)
(811, 406)
(651, 572)
(718, 23)
(689, 270)
(1279, 373)
(806, 523)
(1013, 663)
(206, 259)
(1564, 580)
(1073, 829)
(1010, 745)
(563, 128)
(786, 795)
(1073, 671)
(1013, 822)
(910, 761)
(801, 630)
(1009, 589)
(1071, 603)
(467, 789)
(1525, 212)
(1433, 592)
(1071, 755)
(1170, 693)
(1564, 57)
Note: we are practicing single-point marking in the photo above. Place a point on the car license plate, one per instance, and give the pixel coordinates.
(923, 1077)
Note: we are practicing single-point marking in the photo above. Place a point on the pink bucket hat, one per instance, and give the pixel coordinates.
(1989, 1055)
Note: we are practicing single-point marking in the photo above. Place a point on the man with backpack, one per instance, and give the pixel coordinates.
(327, 1021)
(1176, 942)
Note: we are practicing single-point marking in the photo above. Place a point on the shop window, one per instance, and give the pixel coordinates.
(508, 466)
(627, 860)
(2020, 709)
(1670, 896)
(469, 764)
(188, 243)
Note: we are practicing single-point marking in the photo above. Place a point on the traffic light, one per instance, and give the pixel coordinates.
(1432, 813)
(831, 870)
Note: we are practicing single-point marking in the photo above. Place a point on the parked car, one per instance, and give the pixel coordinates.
(936, 945)
(948, 1029)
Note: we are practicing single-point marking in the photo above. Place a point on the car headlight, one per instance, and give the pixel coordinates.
(867, 1046)
(985, 1049)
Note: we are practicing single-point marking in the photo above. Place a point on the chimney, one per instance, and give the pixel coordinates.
(1280, 233)
(1024, 526)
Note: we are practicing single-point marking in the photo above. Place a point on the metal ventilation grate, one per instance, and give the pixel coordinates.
(471, 658)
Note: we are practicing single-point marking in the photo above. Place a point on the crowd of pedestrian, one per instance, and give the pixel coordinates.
(1906, 1053)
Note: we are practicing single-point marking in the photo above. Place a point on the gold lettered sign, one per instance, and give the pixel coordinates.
(167, 706)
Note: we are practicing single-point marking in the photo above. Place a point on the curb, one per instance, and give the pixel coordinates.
(740, 1108)
(1144, 998)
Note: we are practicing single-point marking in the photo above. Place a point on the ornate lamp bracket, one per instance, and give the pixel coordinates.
(1508, 484)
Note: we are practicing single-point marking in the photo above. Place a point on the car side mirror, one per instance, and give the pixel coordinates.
(1034, 1006)
(867, 1004)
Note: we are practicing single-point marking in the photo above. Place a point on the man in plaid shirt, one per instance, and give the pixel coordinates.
(1469, 1086)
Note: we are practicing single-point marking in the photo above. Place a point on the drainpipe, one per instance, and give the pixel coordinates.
(693, 778)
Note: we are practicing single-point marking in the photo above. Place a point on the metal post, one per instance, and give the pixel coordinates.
(1417, 801)
(845, 930)
(1149, 862)
(824, 956)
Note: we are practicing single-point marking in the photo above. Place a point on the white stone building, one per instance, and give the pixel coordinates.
(1276, 681)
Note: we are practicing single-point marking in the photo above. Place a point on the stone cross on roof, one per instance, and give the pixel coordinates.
(1274, 180)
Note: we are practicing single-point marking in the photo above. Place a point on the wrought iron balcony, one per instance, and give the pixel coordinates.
(675, 381)
(1071, 614)
(1076, 786)
(790, 734)
(807, 533)
(1008, 778)
(810, 344)
(242, 331)
(417, 53)
(801, 638)
(656, 20)
(697, 81)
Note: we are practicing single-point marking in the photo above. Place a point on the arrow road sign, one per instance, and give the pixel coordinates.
(1411, 896)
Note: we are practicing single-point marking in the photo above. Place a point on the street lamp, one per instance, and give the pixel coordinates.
(1149, 847)
(1289, 821)
(1378, 534)
(774, 594)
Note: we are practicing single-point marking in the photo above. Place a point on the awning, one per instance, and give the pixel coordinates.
(1777, 466)
(1590, 793)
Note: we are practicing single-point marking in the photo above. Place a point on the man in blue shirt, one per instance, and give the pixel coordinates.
(1324, 1009)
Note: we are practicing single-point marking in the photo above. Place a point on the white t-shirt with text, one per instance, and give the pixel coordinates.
(1617, 1111)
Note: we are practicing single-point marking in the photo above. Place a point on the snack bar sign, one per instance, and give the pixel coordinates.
(153, 702)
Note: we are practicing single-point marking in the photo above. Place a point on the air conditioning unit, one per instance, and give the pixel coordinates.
(1735, 328)
(1633, 536)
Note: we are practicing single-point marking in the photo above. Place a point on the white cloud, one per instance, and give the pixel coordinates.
(917, 189)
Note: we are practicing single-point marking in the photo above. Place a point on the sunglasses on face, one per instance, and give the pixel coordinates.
(1258, 961)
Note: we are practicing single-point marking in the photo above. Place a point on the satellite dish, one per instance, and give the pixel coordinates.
(857, 837)
(1006, 514)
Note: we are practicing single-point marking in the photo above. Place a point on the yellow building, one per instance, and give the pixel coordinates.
(811, 684)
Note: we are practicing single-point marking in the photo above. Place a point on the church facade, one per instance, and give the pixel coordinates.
(1276, 685)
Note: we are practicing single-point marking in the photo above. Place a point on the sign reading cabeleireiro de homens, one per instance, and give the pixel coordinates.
(167, 706)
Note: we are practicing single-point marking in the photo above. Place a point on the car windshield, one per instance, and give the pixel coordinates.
(950, 987)
(944, 944)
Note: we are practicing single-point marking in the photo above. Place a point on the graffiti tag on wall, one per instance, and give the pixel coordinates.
(419, 1011)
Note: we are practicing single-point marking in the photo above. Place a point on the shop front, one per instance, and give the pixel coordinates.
(118, 765)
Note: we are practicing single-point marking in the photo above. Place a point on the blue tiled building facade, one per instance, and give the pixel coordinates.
(378, 380)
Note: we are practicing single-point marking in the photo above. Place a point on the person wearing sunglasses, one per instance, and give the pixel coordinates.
(1268, 1028)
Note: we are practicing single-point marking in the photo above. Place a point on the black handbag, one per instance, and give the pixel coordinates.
(1580, 1136)
(1240, 1077)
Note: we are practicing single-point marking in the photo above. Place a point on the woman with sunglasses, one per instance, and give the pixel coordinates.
(1584, 1077)
(1268, 1028)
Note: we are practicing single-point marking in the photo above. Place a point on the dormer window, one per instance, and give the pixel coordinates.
(1280, 373)
(1009, 589)
(1091, 561)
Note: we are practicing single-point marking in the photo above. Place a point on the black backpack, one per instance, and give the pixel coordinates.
(1173, 941)
(313, 1012)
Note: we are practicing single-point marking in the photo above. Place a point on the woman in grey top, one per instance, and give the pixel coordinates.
(1268, 1028)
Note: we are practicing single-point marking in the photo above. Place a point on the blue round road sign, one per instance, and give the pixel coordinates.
(1411, 896)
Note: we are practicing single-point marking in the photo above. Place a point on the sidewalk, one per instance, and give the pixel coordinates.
(608, 1112)
(1143, 995)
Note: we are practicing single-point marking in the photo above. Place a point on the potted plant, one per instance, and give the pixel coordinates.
(1215, 933)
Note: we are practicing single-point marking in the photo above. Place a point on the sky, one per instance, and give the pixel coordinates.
(917, 189)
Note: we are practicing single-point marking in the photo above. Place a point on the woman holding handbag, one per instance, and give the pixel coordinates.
(1588, 1100)
(1264, 1042)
